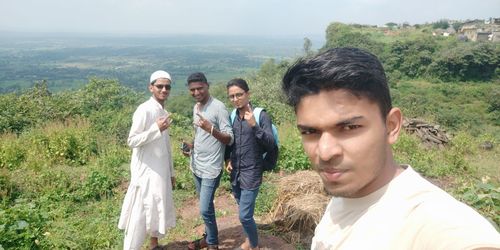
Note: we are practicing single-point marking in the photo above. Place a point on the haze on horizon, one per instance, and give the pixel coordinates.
(227, 17)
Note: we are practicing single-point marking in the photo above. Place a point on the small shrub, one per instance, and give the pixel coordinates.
(12, 154)
(460, 146)
(55, 184)
(407, 150)
(8, 189)
(21, 226)
(183, 175)
(112, 160)
(292, 157)
(265, 200)
(96, 186)
(483, 196)
(74, 144)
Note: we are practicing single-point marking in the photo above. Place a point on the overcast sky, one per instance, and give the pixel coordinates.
(228, 17)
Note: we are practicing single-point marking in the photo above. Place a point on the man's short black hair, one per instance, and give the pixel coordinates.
(353, 69)
(197, 77)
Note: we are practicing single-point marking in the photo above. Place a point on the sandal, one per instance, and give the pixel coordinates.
(213, 247)
(199, 243)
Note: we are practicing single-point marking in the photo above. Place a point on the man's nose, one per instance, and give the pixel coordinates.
(329, 147)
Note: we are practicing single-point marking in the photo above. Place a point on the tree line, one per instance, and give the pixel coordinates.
(415, 53)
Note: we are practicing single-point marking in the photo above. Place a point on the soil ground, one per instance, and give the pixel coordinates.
(230, 231)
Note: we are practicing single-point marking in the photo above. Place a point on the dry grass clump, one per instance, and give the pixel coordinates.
(300, 204)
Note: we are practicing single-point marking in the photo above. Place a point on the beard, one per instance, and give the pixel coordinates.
(338, 193)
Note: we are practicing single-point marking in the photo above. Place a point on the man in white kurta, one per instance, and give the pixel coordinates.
(148, 206)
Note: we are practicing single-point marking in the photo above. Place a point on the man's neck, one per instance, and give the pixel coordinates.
(203, 102)
(245, 108)
(160, 102)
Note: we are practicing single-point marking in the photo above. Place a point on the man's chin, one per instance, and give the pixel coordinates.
(337, 190)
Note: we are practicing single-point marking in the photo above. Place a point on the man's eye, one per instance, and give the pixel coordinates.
(307, 131)
(350, 127)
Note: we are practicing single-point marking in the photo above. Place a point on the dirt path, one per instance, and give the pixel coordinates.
(230, 231)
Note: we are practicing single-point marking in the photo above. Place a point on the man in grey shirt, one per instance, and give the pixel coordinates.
(213, 132)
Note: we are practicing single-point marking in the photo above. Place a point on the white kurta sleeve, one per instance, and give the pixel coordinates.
(170, 157)
(140, 134)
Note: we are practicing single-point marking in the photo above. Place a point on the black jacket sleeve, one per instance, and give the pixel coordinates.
(264, 132)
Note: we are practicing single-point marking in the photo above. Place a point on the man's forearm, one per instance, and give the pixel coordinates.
(221, 136)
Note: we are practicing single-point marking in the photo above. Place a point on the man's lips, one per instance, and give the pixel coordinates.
(332, 174)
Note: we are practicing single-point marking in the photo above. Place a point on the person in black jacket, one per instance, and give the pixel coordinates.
(251, 140)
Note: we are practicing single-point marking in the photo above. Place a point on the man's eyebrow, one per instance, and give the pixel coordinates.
(338, 124)
(349, 120)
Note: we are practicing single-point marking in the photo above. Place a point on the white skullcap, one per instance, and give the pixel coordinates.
(159, 74)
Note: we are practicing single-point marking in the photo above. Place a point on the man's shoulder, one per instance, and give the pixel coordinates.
(217, 103)
(216, 107)
(436, 217)
(426, 196)
(438, 212)
(449, 222)
(145, 105)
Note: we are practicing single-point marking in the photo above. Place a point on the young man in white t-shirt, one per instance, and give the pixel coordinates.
(344, 113)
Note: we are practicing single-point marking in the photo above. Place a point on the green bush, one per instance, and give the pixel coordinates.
(493, 100)
(53, 184)
(441, 24)
(8, 189)
(434, 161)
(36, 106)
(112, 123)
(343, 35)
(61, 144)
(408, 150)
(114, 161)
(12, 154)
(411, 57)
(181, 130)
(466, 62)
(90, 225)
(104, 95)
(22, 226)
(291, 155)
(266, 198)
(483, 196)
(96, 186)
(11, 118)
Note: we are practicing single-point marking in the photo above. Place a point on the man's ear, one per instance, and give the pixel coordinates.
(393, 123)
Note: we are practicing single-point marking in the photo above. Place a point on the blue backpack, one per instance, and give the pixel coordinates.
(270, 158)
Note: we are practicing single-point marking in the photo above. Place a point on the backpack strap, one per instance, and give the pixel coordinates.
(256, 114)
(233, 116)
